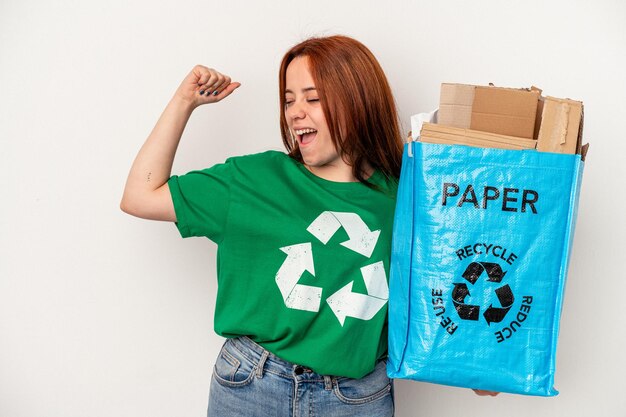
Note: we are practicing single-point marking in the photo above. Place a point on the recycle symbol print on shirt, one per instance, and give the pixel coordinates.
(344, 303)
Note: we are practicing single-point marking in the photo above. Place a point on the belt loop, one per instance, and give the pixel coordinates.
(328, 383)
(261, 364)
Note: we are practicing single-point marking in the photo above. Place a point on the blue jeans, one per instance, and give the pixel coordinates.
(249, 381)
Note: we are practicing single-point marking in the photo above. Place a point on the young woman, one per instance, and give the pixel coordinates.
(303, 237)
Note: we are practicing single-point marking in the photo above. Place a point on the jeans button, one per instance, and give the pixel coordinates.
(299, 370)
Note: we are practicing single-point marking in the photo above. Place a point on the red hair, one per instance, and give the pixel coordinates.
(357, 102)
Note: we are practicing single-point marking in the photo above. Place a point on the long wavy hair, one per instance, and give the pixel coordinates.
(357, 102)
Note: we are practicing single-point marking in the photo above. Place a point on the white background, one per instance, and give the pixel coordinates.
(102, 314)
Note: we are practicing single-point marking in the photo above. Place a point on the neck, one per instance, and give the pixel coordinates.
(341, 173)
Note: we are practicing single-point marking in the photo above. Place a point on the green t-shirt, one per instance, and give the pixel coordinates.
(302, 262)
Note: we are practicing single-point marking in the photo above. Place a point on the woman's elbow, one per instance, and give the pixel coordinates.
(156, 205)
(127, 206)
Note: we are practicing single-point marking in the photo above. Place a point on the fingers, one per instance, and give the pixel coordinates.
(222, 82)
(227, 91)
(212, 85)
(202, 74)
(484, 393)
(212, 81)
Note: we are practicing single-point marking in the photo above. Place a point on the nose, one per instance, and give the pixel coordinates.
(295, 111)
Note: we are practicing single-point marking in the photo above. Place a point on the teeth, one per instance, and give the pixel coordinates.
(303, 131)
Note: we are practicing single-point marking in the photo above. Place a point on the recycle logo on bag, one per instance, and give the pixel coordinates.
(344, 303)
(461, 296)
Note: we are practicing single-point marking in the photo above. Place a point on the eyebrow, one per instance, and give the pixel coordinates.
(304, 90)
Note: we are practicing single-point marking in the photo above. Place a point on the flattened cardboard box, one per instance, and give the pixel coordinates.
(506, 111)
(435, 133)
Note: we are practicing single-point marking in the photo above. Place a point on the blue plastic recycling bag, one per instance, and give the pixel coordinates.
(480, 251)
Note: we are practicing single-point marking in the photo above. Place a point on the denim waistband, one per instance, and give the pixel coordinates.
(266, 361)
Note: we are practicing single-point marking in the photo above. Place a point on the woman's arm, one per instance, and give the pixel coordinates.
(146, 193)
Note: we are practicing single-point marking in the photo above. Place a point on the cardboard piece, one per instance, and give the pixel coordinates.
(561, 126)
(435, 133)
(539, 111)
(506, 111)
(455, 105)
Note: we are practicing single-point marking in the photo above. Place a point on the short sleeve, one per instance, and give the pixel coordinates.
(201, 201)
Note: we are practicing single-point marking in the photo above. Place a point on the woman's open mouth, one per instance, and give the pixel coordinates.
(305, 136)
